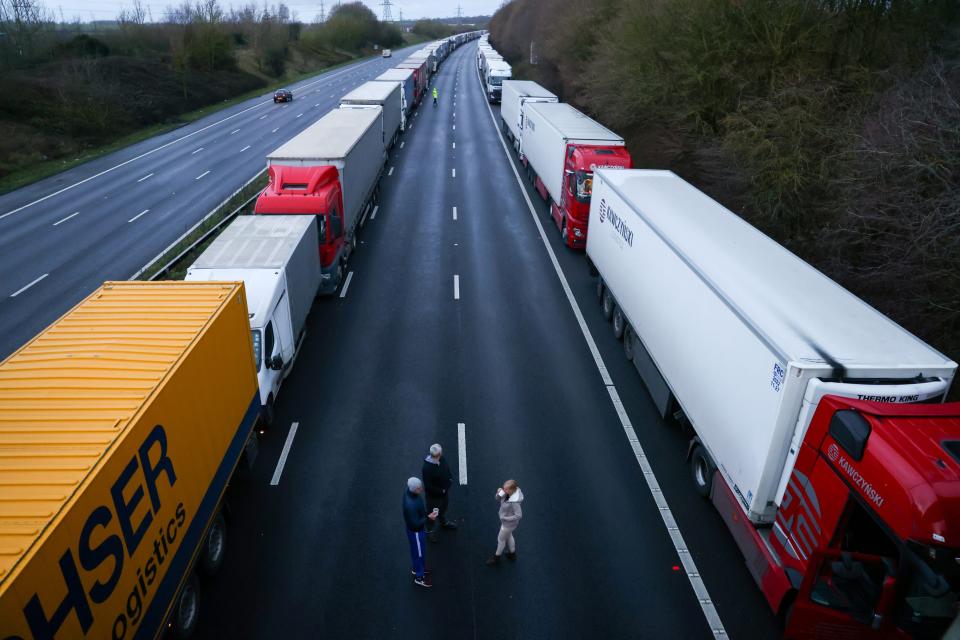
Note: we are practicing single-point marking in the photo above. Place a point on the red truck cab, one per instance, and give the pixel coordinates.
(316, 191)
(866, 542)
(572, 213)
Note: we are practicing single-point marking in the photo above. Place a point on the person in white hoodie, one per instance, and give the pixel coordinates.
(510, 496)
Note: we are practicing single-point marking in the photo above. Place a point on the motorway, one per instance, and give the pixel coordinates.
(62, 237)
(456, 320)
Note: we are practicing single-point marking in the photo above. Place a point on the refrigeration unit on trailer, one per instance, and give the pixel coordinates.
(123, 423)
(387, 96)
(277, 260)
(818, 430)
(561, 148)
(515, 94)
(408, 86)
(332, 170)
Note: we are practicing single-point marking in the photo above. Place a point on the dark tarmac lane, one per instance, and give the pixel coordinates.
(396, 364)
(61, 237)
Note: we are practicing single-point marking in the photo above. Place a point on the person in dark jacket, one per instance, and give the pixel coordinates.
(437, 480)
(416, 518)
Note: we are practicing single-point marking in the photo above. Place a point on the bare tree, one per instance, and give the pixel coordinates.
(21, 22)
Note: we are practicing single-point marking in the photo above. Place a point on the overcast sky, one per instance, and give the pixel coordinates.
(305, 10)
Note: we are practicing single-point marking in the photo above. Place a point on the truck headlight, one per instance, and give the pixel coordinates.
(577, 232)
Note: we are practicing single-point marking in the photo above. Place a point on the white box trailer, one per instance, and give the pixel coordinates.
(387, 96)
(548, 129)
(515, 94)
(406, 80)
(350, 140)
(741, 334)
(276, 258)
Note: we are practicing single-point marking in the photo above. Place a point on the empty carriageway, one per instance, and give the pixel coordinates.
(455, 329)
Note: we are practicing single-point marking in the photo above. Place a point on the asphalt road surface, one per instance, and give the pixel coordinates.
(61, 237)
(455, 315)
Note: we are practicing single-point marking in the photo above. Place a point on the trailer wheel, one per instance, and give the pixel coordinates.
(187, 612)
(628, 342)
(618, 322)
(608, 304)
(214, 546)
(702, 470)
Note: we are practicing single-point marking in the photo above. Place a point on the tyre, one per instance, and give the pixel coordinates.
(214, 546)
(267, 413)
(600, 289)
(618, 322)
(608, 304)
(701, 470)
(183, 622)
(628, 342)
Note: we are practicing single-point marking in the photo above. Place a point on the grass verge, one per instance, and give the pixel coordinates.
(178, 269)
(48, 168)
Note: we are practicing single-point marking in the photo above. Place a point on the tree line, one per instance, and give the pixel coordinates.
(832, 125)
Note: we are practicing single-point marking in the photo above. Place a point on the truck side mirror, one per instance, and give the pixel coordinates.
(276, 363)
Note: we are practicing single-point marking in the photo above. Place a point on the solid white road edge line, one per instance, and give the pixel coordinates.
(24, 288)
(456, 287)
(67, 218)
(346, 285)
(686, 558)
(189, 135)
(283, 454)
(462, 451)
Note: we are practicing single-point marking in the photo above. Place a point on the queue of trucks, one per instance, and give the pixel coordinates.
(817, 425)
(493, 70)
(818, 428)
(123, 422)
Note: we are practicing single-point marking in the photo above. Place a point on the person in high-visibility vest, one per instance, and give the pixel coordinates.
(435, 96)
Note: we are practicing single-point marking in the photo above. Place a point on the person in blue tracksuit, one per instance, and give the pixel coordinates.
(415, 516)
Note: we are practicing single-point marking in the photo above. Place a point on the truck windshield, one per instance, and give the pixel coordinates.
(257, 347)
(584, 185)
(496, 81)
(931, 587)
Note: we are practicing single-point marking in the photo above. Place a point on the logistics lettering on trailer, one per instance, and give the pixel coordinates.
(619, 224)
(111, 548)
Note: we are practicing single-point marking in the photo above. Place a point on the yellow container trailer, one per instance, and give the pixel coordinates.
(121, 425)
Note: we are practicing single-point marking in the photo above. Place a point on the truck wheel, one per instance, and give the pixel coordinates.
(608, 304)
(187, 612)
(628, 342)
(268, 413)
(214, 546)
(618, 322)
(702, 469)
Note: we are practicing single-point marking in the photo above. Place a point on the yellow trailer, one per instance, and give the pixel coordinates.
(120, 427)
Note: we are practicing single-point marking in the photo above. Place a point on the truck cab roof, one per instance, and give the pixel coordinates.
(910, 469)
(263, 288)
